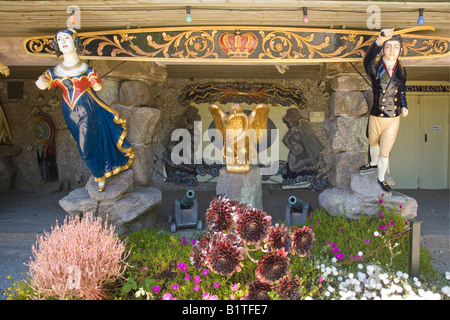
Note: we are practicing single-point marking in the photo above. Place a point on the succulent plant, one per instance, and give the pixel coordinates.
(219, 215)
(273, 266)
(258, 290)
(253, 226)
(288, 288)
(302, 241)
(279, 237)
(225, 255)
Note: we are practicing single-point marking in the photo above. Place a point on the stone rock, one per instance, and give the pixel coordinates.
(348, 134)
(344, 165)
(132, 211)
(116, 186)
(334, 69)
(135, 93)
(363, 197)
(78, 201)
(129, 209)
(243, 187)
(143, 165)
(350, 103)
(110, 91)
(366, 183)
(141, 123)
(349, 83)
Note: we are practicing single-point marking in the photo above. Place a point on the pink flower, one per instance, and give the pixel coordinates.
(156, 289)
(320, 279)
(339, 255)
(232, 297)
(205, 272)
(196, 287)
(205, 295)
(216, 285)
(382, 227)
(183, 240)
(340, 230)
(335, 249)
(235, 287)
(174, 287)
(193, 242)
(197, 279)
(144, 268)
(167, 296)
(367, 241)
(318, 221)
(390, 223)
(183, 267)
(187, 278)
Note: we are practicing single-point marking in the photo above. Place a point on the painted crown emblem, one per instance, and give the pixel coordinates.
(238, 45)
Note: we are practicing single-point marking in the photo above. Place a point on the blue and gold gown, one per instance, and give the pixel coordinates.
(98, 129)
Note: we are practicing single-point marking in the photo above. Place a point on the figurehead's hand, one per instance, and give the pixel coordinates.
(404, 112)
(384, 36)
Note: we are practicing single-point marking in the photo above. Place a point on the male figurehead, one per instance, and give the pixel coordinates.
(388, 80)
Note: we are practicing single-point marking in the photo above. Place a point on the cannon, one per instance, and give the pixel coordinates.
(185, 213)
(296, 211)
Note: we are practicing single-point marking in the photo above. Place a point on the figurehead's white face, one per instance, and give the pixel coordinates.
(65, 42)
(391, 50)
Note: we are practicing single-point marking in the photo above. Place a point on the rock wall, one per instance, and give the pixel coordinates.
(150, 103)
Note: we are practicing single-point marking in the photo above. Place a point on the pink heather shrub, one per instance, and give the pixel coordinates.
(76, 259)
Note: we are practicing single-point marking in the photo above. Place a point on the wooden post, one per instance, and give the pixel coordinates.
(414, 248)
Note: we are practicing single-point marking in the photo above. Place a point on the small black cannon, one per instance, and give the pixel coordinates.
(185, 213)
(296, 211)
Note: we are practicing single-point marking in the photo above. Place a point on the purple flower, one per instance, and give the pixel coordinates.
(174, 287)
(367, 241)
(156, 289)
(197, 279)
(339, 255)
(318, 221)
(187, 278)
(216, 285)
(382, 227)
(205, 272)
(335, 249)
(183, 240)
(193, 242)
(390, 223)
(183, 267)
(196, 287)
(144, 268)
(340, 230)
(334, 245)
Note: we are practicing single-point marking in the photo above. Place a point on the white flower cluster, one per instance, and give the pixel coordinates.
(374, 283)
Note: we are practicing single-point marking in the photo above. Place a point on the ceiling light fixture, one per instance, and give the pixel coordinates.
(188, 14)
(421, 20)
(305, 15)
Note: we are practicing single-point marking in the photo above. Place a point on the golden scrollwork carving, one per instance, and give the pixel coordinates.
(201, 42)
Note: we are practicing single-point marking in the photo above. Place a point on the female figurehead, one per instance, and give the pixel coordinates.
(98, 129)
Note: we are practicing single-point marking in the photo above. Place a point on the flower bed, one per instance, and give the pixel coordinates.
(245, 256)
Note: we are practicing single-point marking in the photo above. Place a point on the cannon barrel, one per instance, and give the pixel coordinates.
(188, 199)
(296, 203)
